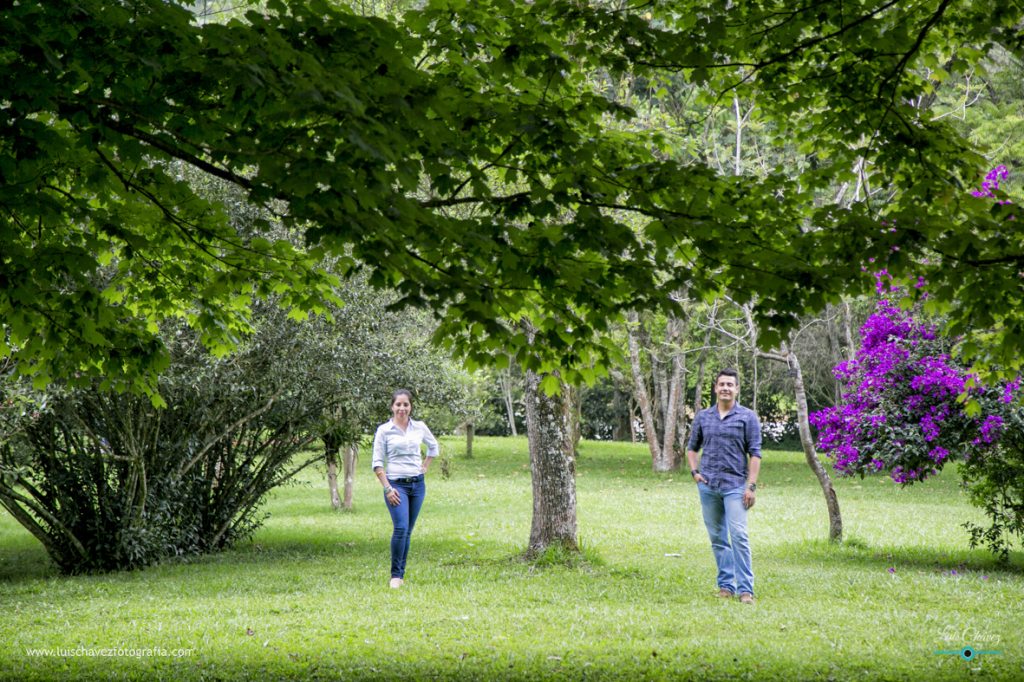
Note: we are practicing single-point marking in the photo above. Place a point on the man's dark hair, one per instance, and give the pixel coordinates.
(728, 372)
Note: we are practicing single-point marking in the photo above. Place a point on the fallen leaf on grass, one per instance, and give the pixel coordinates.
(250, 631)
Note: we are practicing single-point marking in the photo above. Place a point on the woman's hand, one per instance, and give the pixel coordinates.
(394, 499)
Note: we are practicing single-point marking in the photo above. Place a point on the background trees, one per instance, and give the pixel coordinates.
(469, 156)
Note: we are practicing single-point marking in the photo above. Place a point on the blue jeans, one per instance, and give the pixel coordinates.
(403, 516)
(726, 521)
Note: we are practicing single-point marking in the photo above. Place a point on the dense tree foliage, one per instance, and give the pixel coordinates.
(465, 160)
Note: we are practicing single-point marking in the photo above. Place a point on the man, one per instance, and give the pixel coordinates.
(730, 436)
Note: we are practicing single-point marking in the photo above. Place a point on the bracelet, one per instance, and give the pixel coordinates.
(388, 489)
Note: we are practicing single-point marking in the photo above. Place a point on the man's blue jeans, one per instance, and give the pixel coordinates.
(726, 521)
(403, 517)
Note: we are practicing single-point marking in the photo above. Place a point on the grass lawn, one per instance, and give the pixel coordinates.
(307, 598)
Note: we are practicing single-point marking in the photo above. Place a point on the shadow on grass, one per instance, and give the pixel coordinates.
(881, 557)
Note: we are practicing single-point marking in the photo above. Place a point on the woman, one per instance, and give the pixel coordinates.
(396, 446)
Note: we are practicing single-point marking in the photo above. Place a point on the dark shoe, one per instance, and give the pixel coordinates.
(725, 594)
(746, 598)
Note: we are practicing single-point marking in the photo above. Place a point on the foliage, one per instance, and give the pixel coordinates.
(995, 482)
(905, 412)
(108, 481)
(374, 135)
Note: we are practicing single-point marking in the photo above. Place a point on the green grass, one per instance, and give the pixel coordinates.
(307, 599)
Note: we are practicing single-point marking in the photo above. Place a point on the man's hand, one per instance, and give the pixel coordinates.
(748, 498)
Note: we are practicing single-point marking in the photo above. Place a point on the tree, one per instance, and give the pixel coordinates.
(432, 116)
(906, 413)
(105, 480)
(370, 134)
(552, 460)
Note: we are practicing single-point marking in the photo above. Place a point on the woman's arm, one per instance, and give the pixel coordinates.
(433, 447)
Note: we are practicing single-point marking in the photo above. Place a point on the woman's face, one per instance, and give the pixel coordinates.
(401, 407)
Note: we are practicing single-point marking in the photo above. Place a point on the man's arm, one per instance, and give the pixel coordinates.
(696, 437)
(754, 451)
(748, 494)
(691, 458)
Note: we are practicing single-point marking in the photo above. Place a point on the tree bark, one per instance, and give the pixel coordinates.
(506, 392)
(702, 361)
(641, 393)
(350, 455)
(851, 352)
(621, 414)
(470, 430)
(552, 464)
(670, 454)
(835, 529)
(836, 347)
(331, 448)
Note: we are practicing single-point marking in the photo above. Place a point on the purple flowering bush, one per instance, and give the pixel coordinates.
(904, 413)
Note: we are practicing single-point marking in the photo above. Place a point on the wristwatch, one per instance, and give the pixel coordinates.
(752, 486)
(694, 472)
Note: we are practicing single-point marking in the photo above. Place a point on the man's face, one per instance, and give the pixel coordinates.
(726, 388)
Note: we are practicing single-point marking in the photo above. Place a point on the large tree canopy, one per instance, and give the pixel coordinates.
(464, 157)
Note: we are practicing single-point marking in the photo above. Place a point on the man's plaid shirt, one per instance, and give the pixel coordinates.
(727, 443)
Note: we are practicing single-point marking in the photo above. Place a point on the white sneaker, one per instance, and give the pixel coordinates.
(396, 583)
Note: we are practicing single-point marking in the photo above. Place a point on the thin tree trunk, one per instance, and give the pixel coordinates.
(753, 393)
(621, 422)
(835, 529)
(632, 421)
(350, 455)
(702, 361)
(331, 447)
(851, 352)
(470, 430)
(506, 391)
(836, 348)
(670, 455)
(552, 465)
(682, 435)
(641, 391)
(660, 387)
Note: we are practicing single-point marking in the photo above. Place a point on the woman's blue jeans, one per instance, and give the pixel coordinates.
(726, 521)
(403, 516)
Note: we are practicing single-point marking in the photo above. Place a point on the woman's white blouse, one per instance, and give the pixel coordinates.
(399, 452)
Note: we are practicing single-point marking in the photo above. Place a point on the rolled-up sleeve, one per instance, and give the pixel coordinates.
(754, 436)
(696, 434)
(433, 448)
(379, 458)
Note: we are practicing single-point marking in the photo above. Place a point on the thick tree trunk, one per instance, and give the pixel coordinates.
(646, 414)
(350, 455)
(552, 464)
(835, 529)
